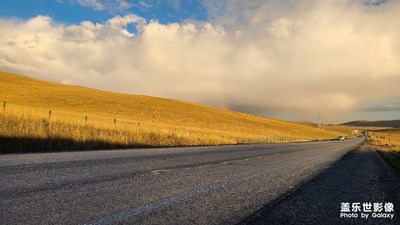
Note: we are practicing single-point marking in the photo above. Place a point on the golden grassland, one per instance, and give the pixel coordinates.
(388, 139)
(40, 116)
(387, 143)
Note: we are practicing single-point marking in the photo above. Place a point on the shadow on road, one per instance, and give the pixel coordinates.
(37, 144)
(362, 176)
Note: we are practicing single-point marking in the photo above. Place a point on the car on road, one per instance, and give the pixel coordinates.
(340, 138)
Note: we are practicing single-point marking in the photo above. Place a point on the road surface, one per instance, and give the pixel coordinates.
(199, 185)
(362, 176)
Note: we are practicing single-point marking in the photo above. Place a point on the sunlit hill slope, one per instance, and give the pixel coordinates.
(38, 116)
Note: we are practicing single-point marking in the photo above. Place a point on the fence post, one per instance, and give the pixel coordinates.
(49, 114)
(4, 106)
(115, 122)
(86, 119)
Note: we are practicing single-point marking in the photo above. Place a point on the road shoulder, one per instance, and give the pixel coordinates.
(361, 176)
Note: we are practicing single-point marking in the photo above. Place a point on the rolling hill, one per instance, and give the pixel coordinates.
(89, 118)
(377, 123)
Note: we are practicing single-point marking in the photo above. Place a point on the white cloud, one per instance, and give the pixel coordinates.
(113, 6)
(95, 4)
(145, 5)
(283, 58)
(127, 33)
(118, 22)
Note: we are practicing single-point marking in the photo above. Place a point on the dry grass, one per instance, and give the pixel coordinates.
(27, 134)
(120, 120)
(349, 130)
(387, 143)
(388, 139)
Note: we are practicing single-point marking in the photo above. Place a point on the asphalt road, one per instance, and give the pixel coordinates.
(201, 185)
(362, 176)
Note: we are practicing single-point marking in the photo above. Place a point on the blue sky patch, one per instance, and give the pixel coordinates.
(75, 11)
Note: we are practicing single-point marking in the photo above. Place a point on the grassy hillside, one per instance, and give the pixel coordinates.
(377, 123)
(83, 118)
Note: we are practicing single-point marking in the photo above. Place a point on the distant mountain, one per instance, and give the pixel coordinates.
(377, 123)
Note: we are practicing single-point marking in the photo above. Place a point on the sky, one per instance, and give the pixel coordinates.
(285, 59)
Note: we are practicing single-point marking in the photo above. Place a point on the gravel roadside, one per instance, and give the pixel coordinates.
(362, 176)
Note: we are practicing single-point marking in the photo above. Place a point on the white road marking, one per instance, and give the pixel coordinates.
(180, 198)
(185, 196)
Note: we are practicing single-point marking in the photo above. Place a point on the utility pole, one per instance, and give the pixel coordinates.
(319, 119)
